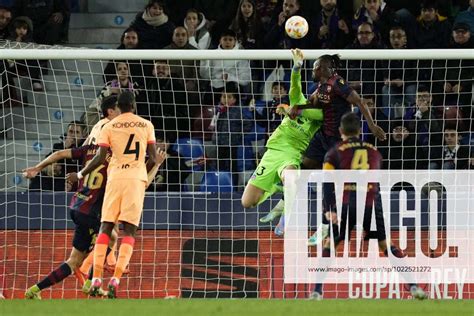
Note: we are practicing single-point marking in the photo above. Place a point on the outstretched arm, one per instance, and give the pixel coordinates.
(378, 132)
(98, 159)
(296, 92)
(31, 172)
(159, 159)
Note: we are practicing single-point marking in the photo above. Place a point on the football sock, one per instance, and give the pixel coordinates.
(62, 272)
(125, 253)
(87, 263)
(100, 249)
(111, 259)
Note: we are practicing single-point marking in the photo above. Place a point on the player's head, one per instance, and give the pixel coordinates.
(325, 66)
(109, 106)
(126, 102)
(350, 125)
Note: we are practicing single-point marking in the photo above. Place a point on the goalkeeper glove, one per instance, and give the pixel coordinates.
(298, 58)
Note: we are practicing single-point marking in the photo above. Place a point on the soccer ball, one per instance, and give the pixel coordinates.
(296, 27)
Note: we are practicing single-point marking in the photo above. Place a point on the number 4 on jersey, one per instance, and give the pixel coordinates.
(360, 161)
(129, 150)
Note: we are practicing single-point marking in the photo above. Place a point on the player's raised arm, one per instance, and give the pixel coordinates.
(298, 102)
(161, 155)
(354, 98)
(296, 92)
(98, 160)
(31, 172)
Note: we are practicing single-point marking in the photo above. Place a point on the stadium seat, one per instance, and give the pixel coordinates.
(214, 181)
(190, 149)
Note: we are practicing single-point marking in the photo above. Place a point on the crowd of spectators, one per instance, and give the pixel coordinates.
(424, 105)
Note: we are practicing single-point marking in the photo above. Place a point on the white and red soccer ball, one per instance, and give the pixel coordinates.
(296, 27)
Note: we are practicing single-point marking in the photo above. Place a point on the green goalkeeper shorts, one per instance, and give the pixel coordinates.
(268, 172)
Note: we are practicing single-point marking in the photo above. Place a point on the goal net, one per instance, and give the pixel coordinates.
(213, 111)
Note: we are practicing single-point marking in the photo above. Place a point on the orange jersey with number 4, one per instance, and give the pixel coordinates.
(127, 135)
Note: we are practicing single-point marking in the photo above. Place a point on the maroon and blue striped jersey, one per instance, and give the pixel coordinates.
(90, 192)
(331, 97)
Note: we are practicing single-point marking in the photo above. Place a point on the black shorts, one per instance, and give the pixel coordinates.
(85, 231)
(320, 145)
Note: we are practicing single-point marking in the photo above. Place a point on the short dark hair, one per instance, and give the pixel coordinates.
(331, 61)
(161, 3)
(125, 101)
(129, 30)
(6, 8)
(109, 102)
(398, 28)
(192, 10)
(20, 23)
(350, 124)
(429, 4)
(423, 88)
(280, 84)
(78, 123)
(228, 32)
(368, 24)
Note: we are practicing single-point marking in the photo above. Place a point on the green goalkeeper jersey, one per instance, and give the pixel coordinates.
(296, 134)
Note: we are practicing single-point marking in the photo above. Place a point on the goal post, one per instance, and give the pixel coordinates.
(195, 239)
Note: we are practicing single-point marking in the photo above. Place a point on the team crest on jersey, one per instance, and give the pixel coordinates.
(341, 81)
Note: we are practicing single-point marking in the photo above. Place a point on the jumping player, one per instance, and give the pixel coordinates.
(85, 205)
(128, 136)
(352, 153)
(285, 148)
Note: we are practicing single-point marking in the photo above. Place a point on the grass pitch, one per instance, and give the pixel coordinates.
(236, 307)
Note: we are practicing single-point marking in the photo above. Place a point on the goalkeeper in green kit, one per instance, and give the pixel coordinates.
(285, 148)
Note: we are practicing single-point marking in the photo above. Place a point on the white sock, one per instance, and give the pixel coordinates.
(279, 207)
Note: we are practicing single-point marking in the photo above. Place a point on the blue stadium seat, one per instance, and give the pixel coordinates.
(190, 149)
(214, 181)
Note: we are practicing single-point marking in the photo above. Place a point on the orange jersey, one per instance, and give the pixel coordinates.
(95, 132)
(127, 135)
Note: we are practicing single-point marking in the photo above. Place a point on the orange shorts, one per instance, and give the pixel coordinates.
(123, 201)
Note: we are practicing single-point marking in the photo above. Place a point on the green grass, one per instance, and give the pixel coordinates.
(236, 307)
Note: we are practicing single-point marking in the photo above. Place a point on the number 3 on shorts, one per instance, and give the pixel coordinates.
(260, 171)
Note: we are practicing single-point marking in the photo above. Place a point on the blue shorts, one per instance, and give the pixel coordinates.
(320, 145)
(85, 231)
